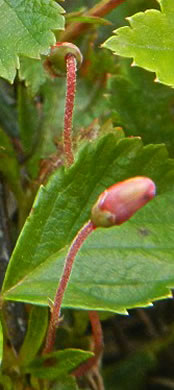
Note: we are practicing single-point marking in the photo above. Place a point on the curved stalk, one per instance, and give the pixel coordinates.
(98, 345)
(55, 313)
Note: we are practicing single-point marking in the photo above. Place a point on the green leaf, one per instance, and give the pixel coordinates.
(25, 29)
(88, 19)
(149, 40)
(142, 107)
(50, 125)
(9, 165)
(62, 207)
(6, 382)
(117, 268)
(33, 73)
(57, 364)
(28, 129)
(37, 326)
(90, 104)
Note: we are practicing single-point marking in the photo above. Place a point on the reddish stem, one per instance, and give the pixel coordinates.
(98, 345)
(74, 30)
(55, 313)
(97, 332)
(104, 7)
(71, 64)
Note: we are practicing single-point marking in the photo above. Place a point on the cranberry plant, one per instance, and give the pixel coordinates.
(86, 135)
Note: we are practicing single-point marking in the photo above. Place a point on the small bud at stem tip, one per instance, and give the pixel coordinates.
(119, 202)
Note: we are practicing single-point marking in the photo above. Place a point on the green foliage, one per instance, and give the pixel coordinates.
(130, 374)
(142, 107)
(138, 255)
(5, 381)
(28, 130)
(57, 364)
(26, 30)
(37, 326)
(33, 73)
(123, 126)
(87, 19)
(39, 248)
(149, 40)
(1, 343)
(9, 165)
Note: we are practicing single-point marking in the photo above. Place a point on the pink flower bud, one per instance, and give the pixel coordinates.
(119, 202)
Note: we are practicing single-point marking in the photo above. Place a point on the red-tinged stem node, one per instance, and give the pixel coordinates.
(55, 312)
